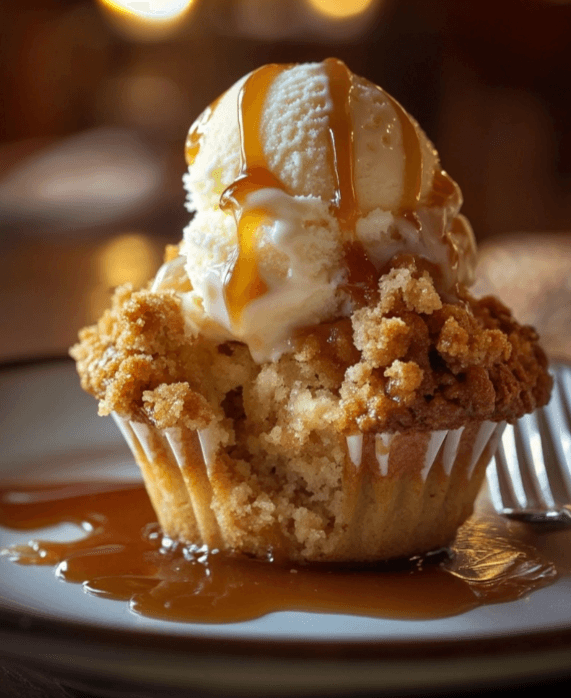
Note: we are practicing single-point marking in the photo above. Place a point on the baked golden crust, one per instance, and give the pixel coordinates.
(412, 360)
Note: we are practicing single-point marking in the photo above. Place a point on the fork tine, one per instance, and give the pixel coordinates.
(560, 414)
(530, 478)
(532, 465)
(500, 483)
(511, 468)
(551, 432)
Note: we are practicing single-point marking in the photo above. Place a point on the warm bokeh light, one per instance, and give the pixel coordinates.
(128, 258)
(153, 19)
(340, 9)
(131, 257)
(154, 10)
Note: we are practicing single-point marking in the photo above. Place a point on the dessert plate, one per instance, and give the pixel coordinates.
(51, 432)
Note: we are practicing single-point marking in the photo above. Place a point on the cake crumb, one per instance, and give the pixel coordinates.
(405, 378)
(403, 288)
(462, 343)
(381, 340)
(176, 405)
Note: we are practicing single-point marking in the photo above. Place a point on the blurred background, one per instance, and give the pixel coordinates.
(96, 97)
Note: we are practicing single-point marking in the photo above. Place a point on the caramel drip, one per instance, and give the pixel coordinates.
(197, 130)
(412, 180)
(342, 136)
(124, 557)
(458, 239)
(244, 283)
(362, 275)
(443, 189)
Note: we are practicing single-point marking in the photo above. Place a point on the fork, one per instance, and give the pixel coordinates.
(529, 478)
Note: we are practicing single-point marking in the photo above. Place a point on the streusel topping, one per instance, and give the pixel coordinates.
(412, 360)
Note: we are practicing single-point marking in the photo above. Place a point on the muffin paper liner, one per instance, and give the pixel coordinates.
(182, 472)
(446, 441)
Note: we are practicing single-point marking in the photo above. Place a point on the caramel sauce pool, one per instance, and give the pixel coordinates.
(123, 556)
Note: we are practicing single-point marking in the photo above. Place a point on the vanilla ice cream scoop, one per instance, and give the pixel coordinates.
(306, 180)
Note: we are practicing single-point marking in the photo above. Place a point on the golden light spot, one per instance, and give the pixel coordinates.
(129, 258)
(148, 19)
(340, 9)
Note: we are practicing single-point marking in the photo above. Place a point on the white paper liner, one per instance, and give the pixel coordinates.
(355, 449)
(180, 468)
(209, 445)
(487, 430)
(136, 435)
(436, 439)
(142, 432)
(204, 516)
(382, 452)
(125, 429)
(451, 449)
(445, 441)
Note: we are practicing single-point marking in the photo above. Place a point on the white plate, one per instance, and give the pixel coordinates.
(50, 431)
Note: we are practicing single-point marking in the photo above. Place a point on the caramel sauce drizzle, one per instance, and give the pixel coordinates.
(124, 557)
(443, 189)
(457, 249)
(244, 283)
(413, 169)
(362, 275)
(197, 130)
(342, 137)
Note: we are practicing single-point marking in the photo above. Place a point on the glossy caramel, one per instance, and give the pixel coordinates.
(194, 136)
(123, 556)
(244, 283)
(443, 189)
(362, 275)
(413, 167)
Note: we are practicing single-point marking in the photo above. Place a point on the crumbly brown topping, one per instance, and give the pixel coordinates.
(430, 364)
(413, 360)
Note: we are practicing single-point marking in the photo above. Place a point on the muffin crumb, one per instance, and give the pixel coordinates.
(175, 405)
(402, 287)
(405, 378)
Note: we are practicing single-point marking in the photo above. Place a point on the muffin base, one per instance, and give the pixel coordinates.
(401, 494)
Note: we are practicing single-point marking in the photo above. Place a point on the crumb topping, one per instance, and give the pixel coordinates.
(412, 360)
(404, 288)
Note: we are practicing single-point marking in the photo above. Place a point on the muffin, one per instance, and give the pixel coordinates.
(308, 378)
